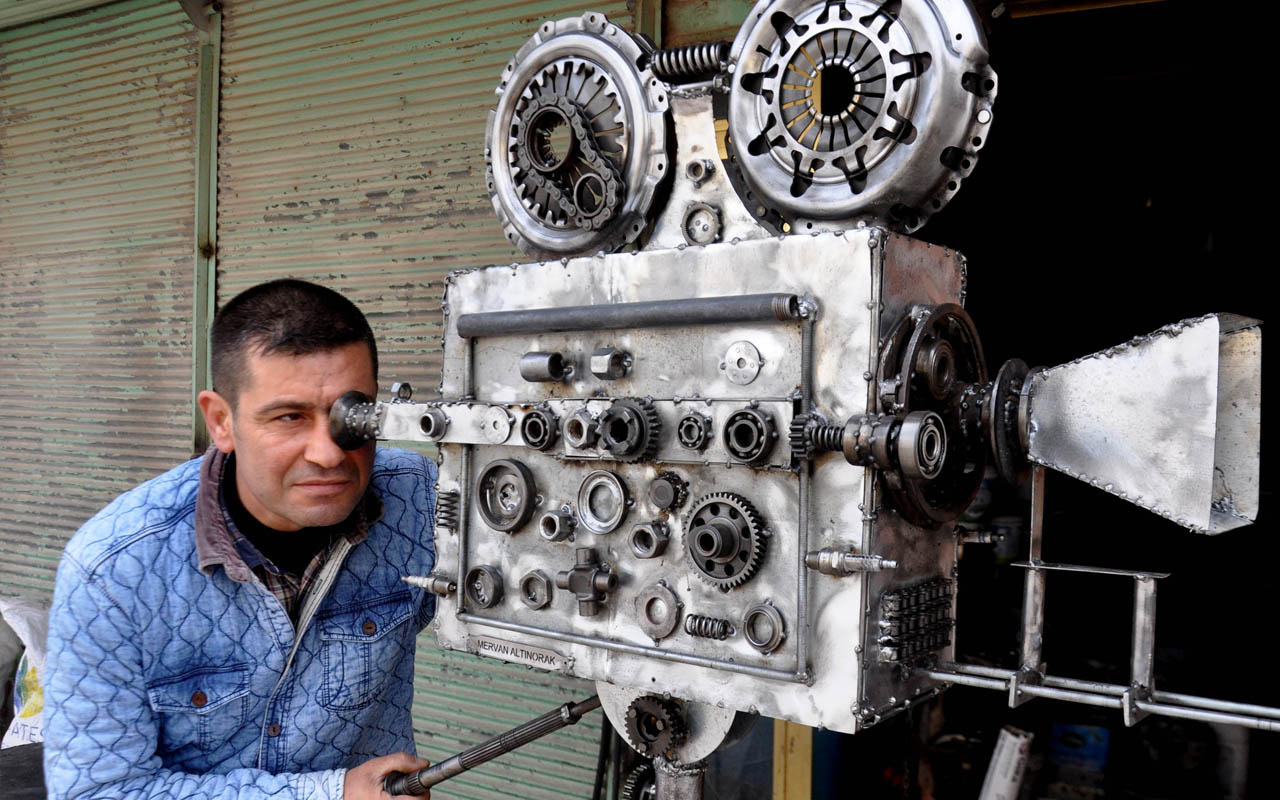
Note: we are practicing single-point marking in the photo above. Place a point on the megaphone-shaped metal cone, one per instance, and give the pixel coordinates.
(1169, 421)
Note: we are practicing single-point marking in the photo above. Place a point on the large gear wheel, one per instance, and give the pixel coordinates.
(575, 150)
(856, 110)
(629, 429)
(655, 726)
(725, 539)
(641, 783)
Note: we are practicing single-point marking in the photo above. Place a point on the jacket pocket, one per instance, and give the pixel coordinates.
(361, 646)
(203, 706)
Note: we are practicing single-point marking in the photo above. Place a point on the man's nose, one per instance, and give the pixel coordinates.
(322, 450)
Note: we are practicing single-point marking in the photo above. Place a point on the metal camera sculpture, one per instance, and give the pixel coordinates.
(707, 451)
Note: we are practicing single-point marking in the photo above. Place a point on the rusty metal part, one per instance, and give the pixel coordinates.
(763, 627)
(505, 494)
(725, 539)
(602, 501)
(649, 539)
(540, 427)
(655, 725)
(589, 580)
(658, 610)
(483, 586)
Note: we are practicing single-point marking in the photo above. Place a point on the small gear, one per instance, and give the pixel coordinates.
(798, 436)
(725, 539)
(629, 429)
(655, 726)
(640, 783)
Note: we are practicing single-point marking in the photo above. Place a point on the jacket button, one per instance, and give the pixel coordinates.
(199, 699)
(273, 730)
(369, 627)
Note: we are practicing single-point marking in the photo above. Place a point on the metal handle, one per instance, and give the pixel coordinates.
(417, 783)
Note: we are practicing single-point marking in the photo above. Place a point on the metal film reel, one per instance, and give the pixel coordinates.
(845, 111)
(575, 150)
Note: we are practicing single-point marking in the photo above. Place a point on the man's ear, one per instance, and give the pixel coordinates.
(217, 417)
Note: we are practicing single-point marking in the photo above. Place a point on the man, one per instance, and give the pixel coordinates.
(237, 627)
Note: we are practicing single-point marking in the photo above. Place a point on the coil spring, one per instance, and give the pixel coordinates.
(447, 510)
(707, 627)
(827, 438)
(691, 62)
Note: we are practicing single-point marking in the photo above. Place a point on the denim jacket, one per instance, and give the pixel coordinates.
(164, 681)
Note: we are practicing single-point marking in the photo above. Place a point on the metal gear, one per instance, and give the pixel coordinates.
(655, 726)
(629, 429)
(856, 110)
(725, 539)
(641, 784)
(575, 149)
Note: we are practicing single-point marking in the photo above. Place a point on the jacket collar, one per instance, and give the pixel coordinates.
(217, 541)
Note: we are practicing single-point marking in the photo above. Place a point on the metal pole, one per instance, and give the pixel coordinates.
(398, 783)
(1142, 671)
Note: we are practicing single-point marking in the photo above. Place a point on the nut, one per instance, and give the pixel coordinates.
(610, 363)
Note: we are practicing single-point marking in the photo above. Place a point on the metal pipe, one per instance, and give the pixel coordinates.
(975, 669)
(1215, 705)
(647, 314)
(961, 679)
(1208, 716)
(1084, 686)
(1086, 698)
(1169, 704)
(635, 649)
(416, 783)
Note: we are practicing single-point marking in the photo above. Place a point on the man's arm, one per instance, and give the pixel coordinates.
(101, 732)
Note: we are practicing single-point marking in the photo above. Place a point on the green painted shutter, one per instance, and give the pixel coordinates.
(97, 115)
(351, 153)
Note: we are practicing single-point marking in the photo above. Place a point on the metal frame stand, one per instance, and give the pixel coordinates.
(1135, 701)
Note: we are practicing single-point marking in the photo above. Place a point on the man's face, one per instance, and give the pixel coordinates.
(289, 472)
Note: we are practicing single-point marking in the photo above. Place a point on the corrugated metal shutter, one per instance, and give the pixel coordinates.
(96, 195)
(351, 152)
(17, 12)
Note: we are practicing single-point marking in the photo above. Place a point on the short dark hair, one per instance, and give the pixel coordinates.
(283, 316)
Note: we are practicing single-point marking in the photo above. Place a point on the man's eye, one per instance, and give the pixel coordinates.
(288, 418)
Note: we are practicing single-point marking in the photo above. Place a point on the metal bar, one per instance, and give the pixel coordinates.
(1086, 698)
(961, 679)
(802, 569)
(417, 783)
(1127, 573)
(1033, 590)
(204, 294)
(1143, 657)
(198, 13)
(1163, 703)
(975, 669)
(647, 314)
(1208, 716)
(1083, 686)
(1215, 705)
(634, 649)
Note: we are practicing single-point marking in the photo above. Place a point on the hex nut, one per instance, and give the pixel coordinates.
(610, 363)
(535, 589)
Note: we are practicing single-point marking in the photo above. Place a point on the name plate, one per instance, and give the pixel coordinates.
(518, 653)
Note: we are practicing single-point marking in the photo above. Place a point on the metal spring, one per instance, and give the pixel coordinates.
(708, 627)
(447, 510)
(692, 62)
(827, 438)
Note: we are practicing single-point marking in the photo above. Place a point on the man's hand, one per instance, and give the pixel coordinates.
(365, 781)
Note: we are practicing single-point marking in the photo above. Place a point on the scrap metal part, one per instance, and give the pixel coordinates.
(857, 110)
(575, 150)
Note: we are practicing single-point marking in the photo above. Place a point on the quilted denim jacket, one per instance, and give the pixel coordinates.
(164, 682)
